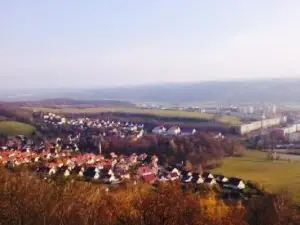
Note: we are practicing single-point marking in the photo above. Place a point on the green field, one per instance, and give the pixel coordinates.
(232, 120)
(274, 176)
(155, 112)
(15, 128)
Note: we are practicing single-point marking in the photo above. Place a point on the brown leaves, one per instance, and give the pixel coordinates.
(28, 200)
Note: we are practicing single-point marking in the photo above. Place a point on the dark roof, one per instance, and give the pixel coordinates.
(77, 169)
(43, 169)
(89, 172)
(61, 170)
(205, 174)
(219, 177)
(170, 168)
(105, 171)
(195, 174)
(195, 179)
(185, 177)
(208, 180)
(184, 172)
(234, 181)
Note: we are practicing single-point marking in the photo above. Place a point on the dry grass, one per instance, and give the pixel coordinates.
(274, 176)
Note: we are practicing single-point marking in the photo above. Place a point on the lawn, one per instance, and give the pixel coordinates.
(274, 176)
(15, 128)
(155, 112)
(232, 120)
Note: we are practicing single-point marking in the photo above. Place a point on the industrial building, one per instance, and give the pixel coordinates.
(257, 125)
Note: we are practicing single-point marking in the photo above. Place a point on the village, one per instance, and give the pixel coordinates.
(62, 158)
(111, 170)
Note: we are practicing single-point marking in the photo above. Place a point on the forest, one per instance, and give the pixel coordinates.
(201, 150)
(28, 200)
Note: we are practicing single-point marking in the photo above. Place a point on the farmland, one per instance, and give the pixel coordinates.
(134, 110)
(15, 128)
(275, 176)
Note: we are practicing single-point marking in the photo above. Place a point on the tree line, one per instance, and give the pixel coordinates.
(25, 199)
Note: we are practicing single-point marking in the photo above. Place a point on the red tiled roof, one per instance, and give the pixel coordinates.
(144, 169)
(174, 175)
(149, 178)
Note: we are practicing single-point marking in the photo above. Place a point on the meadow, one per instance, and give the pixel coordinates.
(231, 120)
(275, 176)
(15, 128)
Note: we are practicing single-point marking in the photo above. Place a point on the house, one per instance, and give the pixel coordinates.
(197, 180)
(90, 172)
(122, 167)
(149, 178)
(210, 181)
(187, 132)
(235, 183)
(219, 136)
(171, 170)
(159, 130)
(67, 172)
(113, 180)
(175, 130)
(187, 179)
(163, 179)
(144, 170)
(186, 173)
(221, 178)
(140, 134)
(126, 176)
(52, 171)
(207, 175)
(173, 176)
(154, 169)
(142, 157)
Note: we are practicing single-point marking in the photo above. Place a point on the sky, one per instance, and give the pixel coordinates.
(75, 43)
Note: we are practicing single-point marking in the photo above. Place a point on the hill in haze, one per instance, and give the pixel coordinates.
(254, 91)
(275, 91)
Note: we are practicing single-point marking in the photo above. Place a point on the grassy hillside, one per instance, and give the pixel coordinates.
(154, 112)
(274, 176)
(15, 128)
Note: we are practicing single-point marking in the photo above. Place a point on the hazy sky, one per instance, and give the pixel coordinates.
(75, 43)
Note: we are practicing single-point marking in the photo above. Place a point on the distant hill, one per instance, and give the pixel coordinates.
(275, 91)
(254, 91)
(68, 102)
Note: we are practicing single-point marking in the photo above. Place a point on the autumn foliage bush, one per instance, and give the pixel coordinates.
(28, 200)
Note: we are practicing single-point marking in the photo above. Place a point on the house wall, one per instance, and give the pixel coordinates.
(294, 137)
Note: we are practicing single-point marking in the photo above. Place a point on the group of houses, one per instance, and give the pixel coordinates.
(174, 130)
(113, 169)
(105, 126)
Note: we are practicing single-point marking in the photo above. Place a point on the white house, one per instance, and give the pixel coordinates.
(235, 183)
(221, 178)
(174, 130)
(159, 130)
(210, 181)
